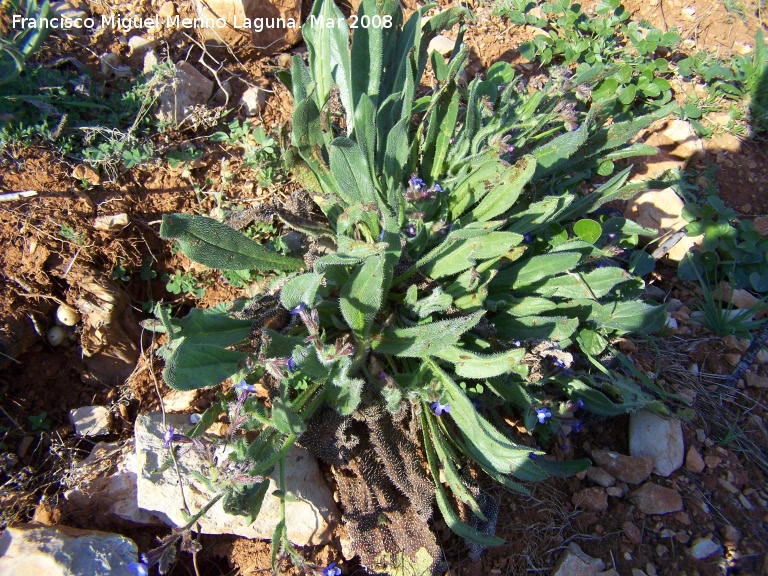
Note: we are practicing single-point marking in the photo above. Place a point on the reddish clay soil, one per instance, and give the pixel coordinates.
(37, 378)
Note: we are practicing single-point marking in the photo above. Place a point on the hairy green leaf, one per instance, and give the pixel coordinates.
(216, 245)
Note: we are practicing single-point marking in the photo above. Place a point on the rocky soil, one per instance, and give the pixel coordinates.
(80, 396)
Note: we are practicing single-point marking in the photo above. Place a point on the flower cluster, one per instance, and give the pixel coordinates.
(418, 189)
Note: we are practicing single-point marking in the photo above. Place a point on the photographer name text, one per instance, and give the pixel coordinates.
(128, 24)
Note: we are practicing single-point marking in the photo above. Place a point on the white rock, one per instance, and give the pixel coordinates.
(150, 61)
(167, 10)
(660, 438)
(34, 550)
(574, 562)
(180, 401)
(442, 45)
(181, 92)
(671, 323)
(253, 100)
(91, 420)
(139, 44)
(108, 484)
(704, 548)
(310, 511)
(661, 209)
(111, 221)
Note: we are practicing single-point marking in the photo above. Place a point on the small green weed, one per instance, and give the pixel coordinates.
(67, 232)
(40, 422)
(184, 283)
(605, 46)
(732, 247)
(259, 150)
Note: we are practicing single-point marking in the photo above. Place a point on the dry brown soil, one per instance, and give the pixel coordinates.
(36, 377)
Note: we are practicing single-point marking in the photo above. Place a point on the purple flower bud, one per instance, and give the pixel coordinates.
(171, 436)
(292, 366)
(527, 238)
(244, 388)
(299, 309)
(543, 414)
(510, 148)
(576, 428)
(437, 188)
(438, 408)
(411, 230)
(580, 404)
(532, 455)
(416, 182)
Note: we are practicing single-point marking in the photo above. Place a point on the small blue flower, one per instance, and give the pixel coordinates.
(299, 309)
(168, 437)
(543, 414)
(559, 362)
(438, 188)
(332, 570)
(416, 182)
(532, 455)
(381, 235)
(527, 238)
(411, 230)
(438, 408)
(244, 388)
(292, 366)
(576, 428)
(138, 568)
(517, 343)
(580, 404)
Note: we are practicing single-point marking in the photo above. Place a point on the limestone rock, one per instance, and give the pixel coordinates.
(677, 142)
(253, 100)
(180, 400)
(85, 172)
(108, 484)
(267, 35)
(442, 45)
(575, 562)
(111, 221)
(594, 499)
(704, 548)
(624, 468)
(693, 461)
(654, 499)
(180, 92)
(660, 438)
(310, 511)
(91, 420)
(600, 477)
(661, 209)
(755, 381)
(35, 550)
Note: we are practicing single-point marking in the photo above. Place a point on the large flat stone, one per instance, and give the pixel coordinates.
(657, 437)
(654, 499)
(34, 550)
(625, 468)
(310, 510)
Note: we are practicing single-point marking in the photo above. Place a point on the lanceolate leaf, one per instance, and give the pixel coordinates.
(361, 297)
(194, 364)
(488, 446)
(216, 245)
(300, 290)
(466, 253)
(422, 340)
(468, 364)
(350, 168)
(503, 196)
